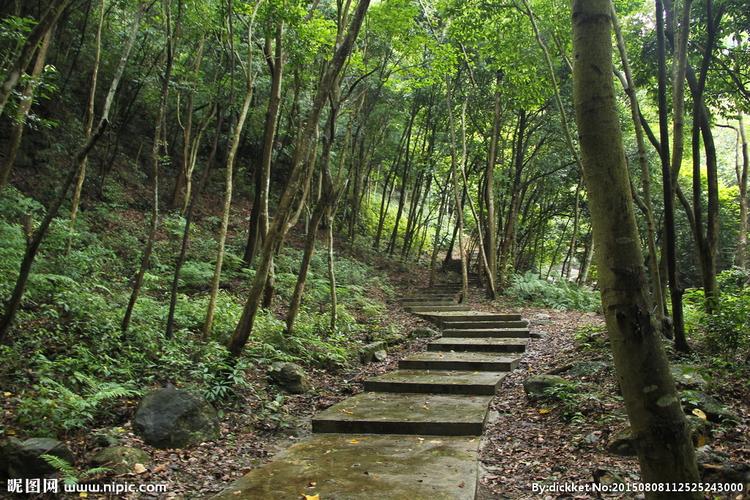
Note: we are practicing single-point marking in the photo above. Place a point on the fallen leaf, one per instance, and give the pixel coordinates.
(83, 494)
(311, 497)
(700, 414)
(7, 394)
(354, 441)
(544, 411)
(139, 468)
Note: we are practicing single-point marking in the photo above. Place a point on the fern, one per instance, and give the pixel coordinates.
(69, 474)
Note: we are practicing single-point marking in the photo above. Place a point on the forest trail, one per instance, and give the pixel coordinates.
(415, 432)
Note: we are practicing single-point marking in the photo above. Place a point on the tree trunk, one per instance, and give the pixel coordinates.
(741, 255)
(155, 157)
(678, 125)
(635, 115)
(27, 99)
(275, 234)
(489, 185)
(665, 451)
(228, 181)
(89, 123)
(457, 198)
(22, 61)
(678, 322)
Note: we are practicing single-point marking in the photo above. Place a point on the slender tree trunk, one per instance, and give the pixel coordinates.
(155, 157)
(228, 181)
(456, 193)
(678, 322)
(678, 125)
(22, 61)
(275, 234)
(191, 199)
(89, 124)
(438, 227)
(299, 288)
(24, 106)
(741, 255)
(489, 184)
(635, 115)
(332, 272)
(665, 451)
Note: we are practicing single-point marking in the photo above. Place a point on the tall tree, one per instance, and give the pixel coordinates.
(665, 450)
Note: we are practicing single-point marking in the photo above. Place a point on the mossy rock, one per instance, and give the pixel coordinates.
(175, 418)
(23, 459)
(687, 376)
(536, 386)
(121, 459)
(712, 407)
(374, 351)
(290, 377)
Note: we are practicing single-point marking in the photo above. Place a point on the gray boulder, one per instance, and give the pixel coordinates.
(537, 385)
(374, 351)
(175, 418)
(121, 459)
(23, 459)
(290, 377)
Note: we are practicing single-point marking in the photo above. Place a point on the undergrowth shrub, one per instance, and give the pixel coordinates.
(561, 294)
(726, 332)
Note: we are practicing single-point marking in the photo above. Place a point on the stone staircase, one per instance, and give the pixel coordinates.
(413, 434)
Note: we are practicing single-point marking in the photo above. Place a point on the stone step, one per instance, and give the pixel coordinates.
(420, 296)
(479, 325)
(357, 466)
(437, 382)
(478, 316)
(477, 345)
(428, 301)
(427, 309)
(390, 413)
(497, 333)
(474, 361)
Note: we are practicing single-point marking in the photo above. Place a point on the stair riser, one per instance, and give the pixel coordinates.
(428, 302)
(422, 388)
(479, 325)
(488, 366)
(425, 309)
(373, 427)
(486, 334)
(480, 317)
(477, 348)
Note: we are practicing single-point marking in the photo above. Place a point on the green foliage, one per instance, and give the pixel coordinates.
(726, 332)
(569, 399)
(55, 406)
(69, 474)
(560, 294)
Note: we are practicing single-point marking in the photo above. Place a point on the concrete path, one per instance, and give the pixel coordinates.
(414, 433)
